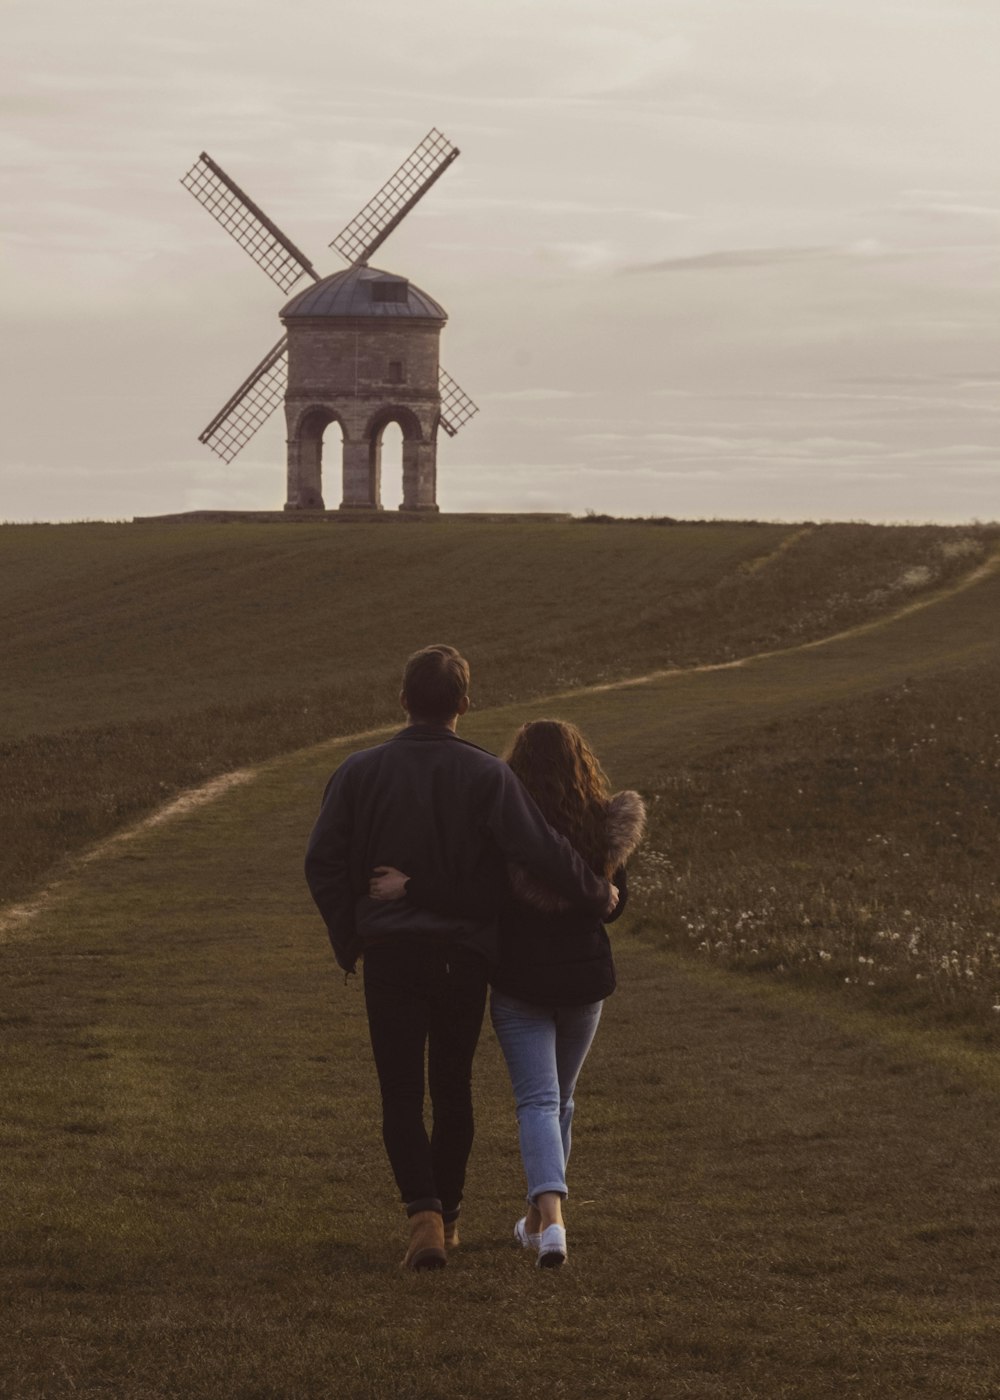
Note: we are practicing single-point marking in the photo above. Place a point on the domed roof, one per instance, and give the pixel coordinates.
(364, 291)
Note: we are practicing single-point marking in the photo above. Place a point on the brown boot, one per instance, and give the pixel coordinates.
(451, 1240)
(426, 1248)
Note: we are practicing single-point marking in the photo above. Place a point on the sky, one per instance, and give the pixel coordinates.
(701, 258)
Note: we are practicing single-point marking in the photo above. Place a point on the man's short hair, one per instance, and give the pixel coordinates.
(435, 682)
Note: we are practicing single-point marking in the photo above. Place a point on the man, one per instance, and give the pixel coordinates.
(428, 801)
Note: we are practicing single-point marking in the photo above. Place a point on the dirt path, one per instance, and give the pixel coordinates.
(978, 575)
(770, 1199)
(15, 919)
(16, 916)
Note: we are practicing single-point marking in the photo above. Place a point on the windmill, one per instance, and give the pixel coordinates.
(360, 347)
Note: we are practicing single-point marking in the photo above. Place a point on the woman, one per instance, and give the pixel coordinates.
(555, 966)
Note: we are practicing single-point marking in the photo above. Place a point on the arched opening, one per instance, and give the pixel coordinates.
(314, 432)
(395, 438)
(389, 450)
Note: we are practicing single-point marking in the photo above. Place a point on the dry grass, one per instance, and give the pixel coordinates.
(777, 1193)
(770, 1202)
(142, 660)
(857, 846)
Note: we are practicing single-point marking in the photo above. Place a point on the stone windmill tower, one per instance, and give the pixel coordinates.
(360, 347)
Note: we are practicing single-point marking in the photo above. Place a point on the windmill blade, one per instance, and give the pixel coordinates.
(250, 226)
(456, 406)
(372, 226)
(252, 404)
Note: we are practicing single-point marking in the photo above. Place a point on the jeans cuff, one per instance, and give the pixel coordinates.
(450, 1213)
(558, 1186)
(425, 1203)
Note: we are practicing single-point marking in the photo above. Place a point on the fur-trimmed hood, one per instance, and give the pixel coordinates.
(626, 824)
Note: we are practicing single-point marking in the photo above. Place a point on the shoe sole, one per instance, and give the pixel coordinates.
(553, 1259)
(426, 1259)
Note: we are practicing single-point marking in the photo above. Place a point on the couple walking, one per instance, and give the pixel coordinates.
(448, 870)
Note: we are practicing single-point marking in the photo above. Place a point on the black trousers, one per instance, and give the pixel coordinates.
(421, 997)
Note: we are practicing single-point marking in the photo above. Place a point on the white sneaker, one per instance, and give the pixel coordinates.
(552, 1247)
(525, 1240)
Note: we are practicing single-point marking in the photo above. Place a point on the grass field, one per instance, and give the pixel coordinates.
(141, 660)
(855, 846)
(782, 1186)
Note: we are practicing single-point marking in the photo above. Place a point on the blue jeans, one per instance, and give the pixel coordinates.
(545, 1047)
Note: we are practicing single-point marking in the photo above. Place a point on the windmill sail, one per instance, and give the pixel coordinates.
(456, 406)
(372, 226)
(252, 404)
(249, 225)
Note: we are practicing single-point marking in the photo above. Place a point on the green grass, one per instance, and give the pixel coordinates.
(781, 1188)
(822, 806)
(777, 1192)
(141, 660)
(855, 846)
(112, 624)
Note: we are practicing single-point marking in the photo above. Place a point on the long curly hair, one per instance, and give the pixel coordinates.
(562, 773)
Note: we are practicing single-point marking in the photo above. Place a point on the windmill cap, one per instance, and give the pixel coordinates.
(364, 291)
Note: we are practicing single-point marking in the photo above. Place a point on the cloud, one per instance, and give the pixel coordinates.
(945, 204)
(468, 202)
(592, 256)
(857, 249)
(732, 257)
(530, 395)
(916, 400)
(748, 452)
(615, 60)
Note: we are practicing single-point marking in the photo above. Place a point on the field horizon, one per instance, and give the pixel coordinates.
(278, 515)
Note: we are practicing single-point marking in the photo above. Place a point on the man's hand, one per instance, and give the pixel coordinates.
(389, 883)
(612, 904)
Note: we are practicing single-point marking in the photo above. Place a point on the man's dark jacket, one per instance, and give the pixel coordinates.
(429, 801)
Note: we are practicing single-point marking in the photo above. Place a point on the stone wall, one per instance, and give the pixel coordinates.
(341, 356)
(362, 373)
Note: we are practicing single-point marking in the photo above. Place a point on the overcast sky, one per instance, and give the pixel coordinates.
(700, 257)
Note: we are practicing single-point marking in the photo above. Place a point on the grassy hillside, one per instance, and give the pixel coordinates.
(826, 813)
(776, 1194)
(106, 623)
(138, 660)
(855, 847)
(120, 623)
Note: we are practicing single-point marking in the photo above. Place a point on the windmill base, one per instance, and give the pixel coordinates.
(347, 508)
(355, 515)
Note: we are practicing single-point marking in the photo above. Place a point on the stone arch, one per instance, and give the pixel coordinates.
(409, 425)
(305, 456)
(406, 419)
(419, 467)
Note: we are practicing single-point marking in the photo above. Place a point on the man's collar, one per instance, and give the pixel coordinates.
(438, 731)
(426, 731)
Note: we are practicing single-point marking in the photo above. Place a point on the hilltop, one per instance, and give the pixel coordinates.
(142, 659)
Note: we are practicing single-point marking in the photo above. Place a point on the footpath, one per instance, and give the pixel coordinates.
(772, 1198)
